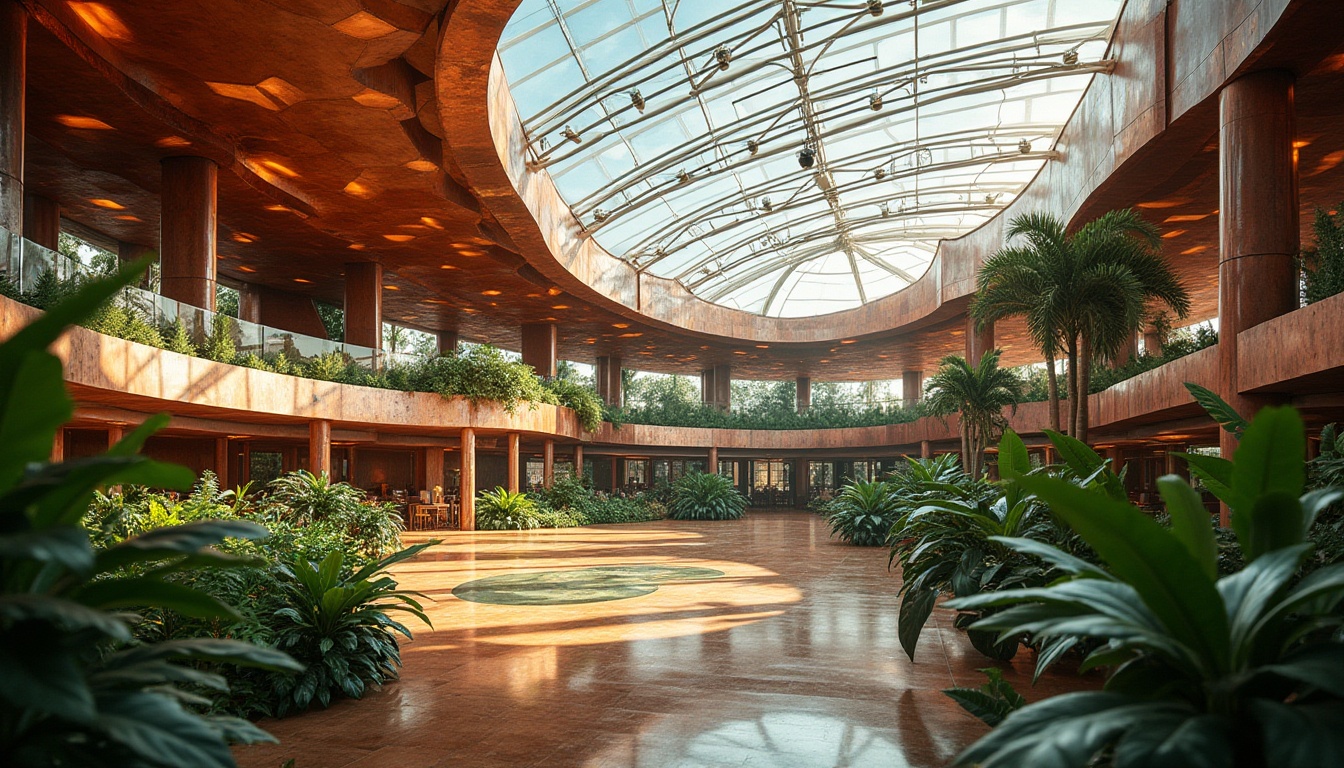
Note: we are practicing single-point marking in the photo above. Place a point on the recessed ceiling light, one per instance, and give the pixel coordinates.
(103, 202)
(83, 123)
(491, 292)
(302, 280)
(399, 238)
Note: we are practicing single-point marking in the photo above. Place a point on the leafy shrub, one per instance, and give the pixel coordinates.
(583, 401)
(502, 510)
(1323, 265)
(78, 690)
(219, 344)
(863, 513)
(176, 339)
(705, 496)
(572, 497)
(1208, 671)
(337, 624)
(993, 701)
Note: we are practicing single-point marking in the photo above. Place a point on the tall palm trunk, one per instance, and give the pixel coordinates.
(1052, 388)
(1072, 385)
(1084, 384)
(966, 460)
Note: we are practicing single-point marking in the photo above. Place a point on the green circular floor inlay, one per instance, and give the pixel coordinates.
(582, 585)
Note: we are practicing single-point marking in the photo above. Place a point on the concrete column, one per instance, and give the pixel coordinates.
(539, 348)
(364, 304)
(447, 342)
(468, 487)
(912, 387)
(222, 461)
(187, 230)
(515, 441)
(578, 461)
(979, 340)
(610, 385)
(925, 449)
(1258, 222)
(42, 220)
(319, 447)
(804, 397)
(13, 86)
(548, 463)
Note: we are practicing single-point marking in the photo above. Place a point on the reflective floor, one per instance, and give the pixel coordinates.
(758, 642)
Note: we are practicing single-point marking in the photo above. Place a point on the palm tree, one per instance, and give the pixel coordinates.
(979, 394)
(1083, 294)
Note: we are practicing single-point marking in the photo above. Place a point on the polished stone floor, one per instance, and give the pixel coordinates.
(789, 658)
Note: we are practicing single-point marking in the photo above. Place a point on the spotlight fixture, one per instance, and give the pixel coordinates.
(807, 157)
(753, 147)
(1024, 146)
(1071, 57)
(570, 135)
(637, 100)
(683, 177)
(766, 205)
(885, 208)
(723, 54)
(880, 174)
(875, 101)
(875, 7)
(600, 215)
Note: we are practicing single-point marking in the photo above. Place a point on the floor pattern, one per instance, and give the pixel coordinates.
(788, 658)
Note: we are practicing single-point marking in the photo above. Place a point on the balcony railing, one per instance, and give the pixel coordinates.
(25, 262)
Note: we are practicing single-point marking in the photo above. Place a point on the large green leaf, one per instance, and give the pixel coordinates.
(60, 493)
(1216, 473)
(1150, 559)
(1318, 666)
(62, 613)
(1302, 736)
(143, 592)
(1218, 409)
(916, 605)
(1182, 741)
(1086, 463)
(1014, 461)
(1275, 521)
(40, 673)
(1270, 459)
(158, 730)
(1190, 522)
(208, 649)
(177, 540)
(65, 546)
(28, 423)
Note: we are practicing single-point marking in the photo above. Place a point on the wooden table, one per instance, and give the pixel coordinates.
(416, 510)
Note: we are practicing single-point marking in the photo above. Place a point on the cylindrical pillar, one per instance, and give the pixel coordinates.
(319, 447)
(925, 449)
(13, 86)
(42, 221)
(222, 461)
(1258, 222)
(447, 342)
(433, 468)
(578, 462)
(249, 303)
(713, 460)
(979, 339)
(364, 304)
(515, 441)
(187, 230)
(129, 252)
(912, 387)
(1153, 342)
(615, 473)
(58, 446)
(548, 463)
(804, 397)
(114, 434)
(803, 479)
(468, 487)
(1128, 351)
(539, 348)
(610, 385)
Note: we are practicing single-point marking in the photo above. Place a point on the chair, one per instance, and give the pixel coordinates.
(420, 517)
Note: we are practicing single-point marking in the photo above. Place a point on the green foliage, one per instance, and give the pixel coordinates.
(863, 513)
(337, 623)
(303, 498)
(977, 394)
(1208, 671)
(705, 496)
(581, 399)
(219, 344)
(503, 510)
(125, 323)
(1323, 265)
(333, 320)
(78, 690)
(176, 339)
(993, 701)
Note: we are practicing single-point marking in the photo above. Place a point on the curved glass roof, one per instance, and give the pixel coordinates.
(795, 158)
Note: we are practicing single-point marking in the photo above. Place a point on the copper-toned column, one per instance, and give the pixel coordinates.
(447, 342)
(610, 385)
(548, 463)
(364, 304)
(114, 435)
(615, 472)
(925, 449)
(515, 440)
(539, 348)
(222, 461)
(804, 396)
(187, 230)
(249, 303)
(468, 487)
(1128, 351)
(802, 472)
(1258, 221)
(912, 387)
(319, 447)
(42, 220)
(578, 461)
(723, 386)
(1152, 340)
(13, 74)
(433, 468)
(1116, 454)
(58, 447)
(714, 460)
(979, 340)
(129, 252)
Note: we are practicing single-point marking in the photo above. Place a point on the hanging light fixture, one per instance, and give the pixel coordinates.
(875, 101)
(723, 54)
(600, 215)
(1024, 146)
(766, 205)
(880, 174)
(875, 7)
(1071, 57)
(753, 147)
(807, 157)
(570, 135)
(637, 100)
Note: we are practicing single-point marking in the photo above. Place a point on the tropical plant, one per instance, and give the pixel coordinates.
(77, 689)
(219, 344)
(306, 498)
(1083, 295)
(337, 623)
(1234, 671)
(1323, 265)
(581, 399)
(862, 513)
(705, 496)
(502, 510)
(978, 394)
(993, 701)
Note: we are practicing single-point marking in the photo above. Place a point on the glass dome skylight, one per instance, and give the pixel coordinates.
(795, 158)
